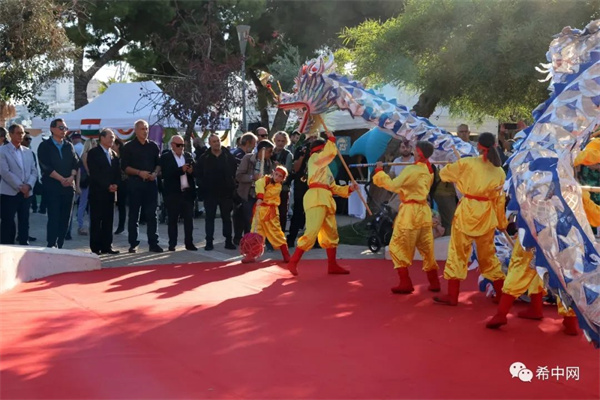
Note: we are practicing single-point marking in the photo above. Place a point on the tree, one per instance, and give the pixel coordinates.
(34, 50)
(475, 56)
(104, 30)
(194, 66)
(307, 26)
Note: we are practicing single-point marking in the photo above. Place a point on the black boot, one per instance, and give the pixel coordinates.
(229, 244)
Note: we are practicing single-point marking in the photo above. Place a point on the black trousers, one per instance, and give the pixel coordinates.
(102, 209)
(298, 216)
(12, 206)
(180, 204)
(284, 200)
(142, 195)
(240, 226)
(225, 206)
(122, 203)
(59, 204)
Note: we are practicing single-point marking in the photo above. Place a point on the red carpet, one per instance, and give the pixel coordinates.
(212, 330)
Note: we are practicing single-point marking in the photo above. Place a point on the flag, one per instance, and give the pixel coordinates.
(90, 128)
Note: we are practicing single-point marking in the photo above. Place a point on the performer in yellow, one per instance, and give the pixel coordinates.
(479, 213)
(266, 213)
(413, 224)
(320, 207)
(522, 277)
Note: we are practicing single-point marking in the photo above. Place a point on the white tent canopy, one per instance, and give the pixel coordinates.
(118, 108)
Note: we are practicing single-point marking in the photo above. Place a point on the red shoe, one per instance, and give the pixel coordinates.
(450, 299)
(285, 253)
(570, 324)
(332, 265)
(498, 284)
(248, 260)
(506, 302)
(434, 281)
(534, 311)
(293, 264)
(405, 286)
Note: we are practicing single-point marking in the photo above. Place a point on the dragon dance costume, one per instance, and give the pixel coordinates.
(479, 213)
(320, 208)
(266, 215)
(521, 278)
(413, 224)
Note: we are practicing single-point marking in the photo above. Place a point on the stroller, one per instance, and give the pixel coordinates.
(381, 228)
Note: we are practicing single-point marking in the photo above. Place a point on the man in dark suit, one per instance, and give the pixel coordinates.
(179, 191)
(59, 164)
(105, 176)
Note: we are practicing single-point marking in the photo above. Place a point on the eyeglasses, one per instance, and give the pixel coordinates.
(179, 144)
(263, 135)
(63, 128)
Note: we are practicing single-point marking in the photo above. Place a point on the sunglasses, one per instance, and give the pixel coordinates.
(63, 128)
(179, 144)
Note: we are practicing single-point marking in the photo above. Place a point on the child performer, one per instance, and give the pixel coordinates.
(413, 224)
(266, 213)
(521, 277)
(479, 213)
(320, 207)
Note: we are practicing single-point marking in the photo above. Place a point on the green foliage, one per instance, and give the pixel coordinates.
(285, 66)
(33, 50)
(476, 56)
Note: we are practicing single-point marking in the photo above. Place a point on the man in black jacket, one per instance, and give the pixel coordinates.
(59, 163)
(215, 171)
(140, 160)
(105, 177)
(179, 191)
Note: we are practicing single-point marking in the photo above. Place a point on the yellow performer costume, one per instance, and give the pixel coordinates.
(479, 213)
(521, 277)
(413, 224)
(320, 207)
(266, 215)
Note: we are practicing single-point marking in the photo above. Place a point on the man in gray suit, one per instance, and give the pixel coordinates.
(19, 175)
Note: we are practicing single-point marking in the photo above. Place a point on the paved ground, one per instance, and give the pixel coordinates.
(143, 257)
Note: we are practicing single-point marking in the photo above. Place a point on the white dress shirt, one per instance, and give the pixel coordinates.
(180, 163)
(18, 152)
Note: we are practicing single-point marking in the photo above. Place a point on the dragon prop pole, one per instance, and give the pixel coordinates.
(346, 167)
(391, 164)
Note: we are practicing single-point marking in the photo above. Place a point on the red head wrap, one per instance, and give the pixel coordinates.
(281, 169)
(484, 150)
(421, 158)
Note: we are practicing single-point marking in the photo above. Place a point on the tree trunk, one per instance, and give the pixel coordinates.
(261, 97)
(189, 131)
(426, 105)
(82, 78)
(280, 121)
(80, 82)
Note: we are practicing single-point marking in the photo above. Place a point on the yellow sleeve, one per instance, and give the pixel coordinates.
(500, 208)
(451, 172)
(590, 155)
(327, 155)
(342, 191)
(383, 180)
(259, 187)
(592, 210)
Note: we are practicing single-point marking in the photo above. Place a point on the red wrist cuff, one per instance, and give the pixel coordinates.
(260, 196)
(378, 169)
(331, 139)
